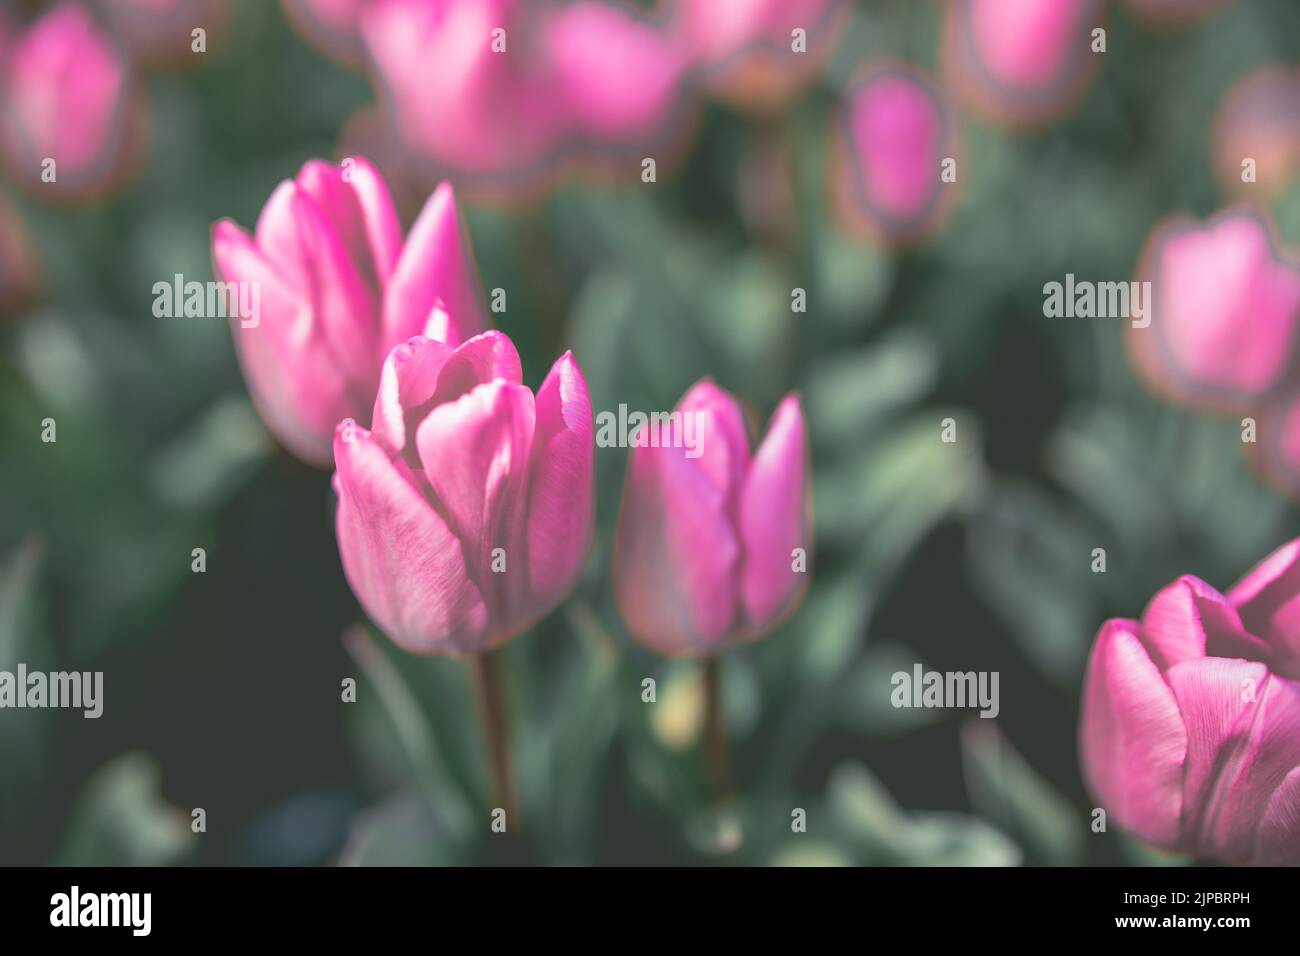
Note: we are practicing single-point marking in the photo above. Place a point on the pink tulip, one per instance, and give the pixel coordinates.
(1020, 61)
(1190, 726)
(522, 90)
(68, 97)
(465, 513)
(338, 289)
(895, 134)
(618, 76)
(712, 543)
(1225, 307)
(746, 49)
(1259, 121)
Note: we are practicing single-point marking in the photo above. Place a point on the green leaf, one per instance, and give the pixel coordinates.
(121, 819)
(890, 836)
(1007, 791)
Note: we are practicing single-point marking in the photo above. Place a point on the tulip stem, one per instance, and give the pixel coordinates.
(486, 672)
(717, 758)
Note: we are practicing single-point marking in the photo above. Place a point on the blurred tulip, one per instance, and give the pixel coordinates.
(712, 545)
(523, 90)
(894, 136)
(161, 32)
(748, 51)
(331, 26)
(19, 270)
(1257, 134)
(1020, 62)
(1190, 723)
(1224, 311)
(69, 100)
(338, 289)
(465, 513)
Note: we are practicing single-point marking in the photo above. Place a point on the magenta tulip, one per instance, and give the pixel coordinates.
(712, 544)
(1225, 306)
(522, 90)
(338, 290)
(71, 123)
(896, 132)
(1020, 61)
(748, 52)
(1257, 131)
(465, 512)
(1190, 726)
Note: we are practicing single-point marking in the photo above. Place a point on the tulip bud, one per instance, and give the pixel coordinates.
(1225, 307)
(1021, 62)
(1190, 724)
(895, 139)
(522, 90)
(465, 512)
(712, 544)
(338, 289)
(71, 122)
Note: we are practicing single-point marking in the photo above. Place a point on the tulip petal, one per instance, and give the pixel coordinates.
(1180, 620)
(475, 453)
(356, 200)
(343, 304)
(276, 234)
(1133, 743)
(1277, 842)
(1267, 586)
(436, 264)
(560, 488)
(487, 357)
(713, 422)
(408, 381)
(675, 553)
(403, 563)
(300, 408)
(1243, 738)
(773, 513)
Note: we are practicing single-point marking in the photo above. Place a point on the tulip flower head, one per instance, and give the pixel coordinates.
(465, 512)
(1225, 310)
(71, 123)
(712, 542)
(1190, 724)
(1020, 62)
(1257, 133)
(523, 90)
(896, 133)
(338, 290)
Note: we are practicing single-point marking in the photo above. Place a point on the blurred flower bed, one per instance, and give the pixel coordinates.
(924, 303)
